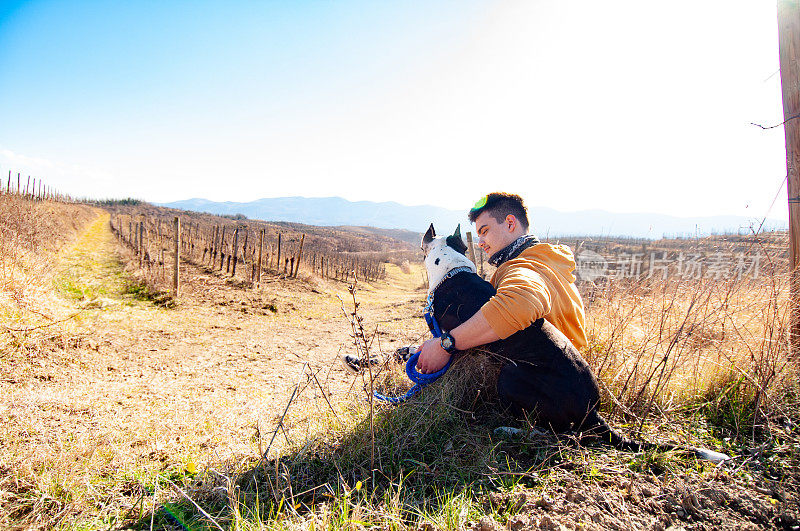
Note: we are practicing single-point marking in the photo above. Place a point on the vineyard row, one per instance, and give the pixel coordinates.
(238, 250)
(35, 190)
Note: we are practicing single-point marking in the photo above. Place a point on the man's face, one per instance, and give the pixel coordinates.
(493, 235)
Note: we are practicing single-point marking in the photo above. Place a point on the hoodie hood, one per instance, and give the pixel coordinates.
(558, 258)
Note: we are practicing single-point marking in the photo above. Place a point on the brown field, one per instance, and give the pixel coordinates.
(117, 406)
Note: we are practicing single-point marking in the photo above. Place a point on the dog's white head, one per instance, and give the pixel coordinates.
(443, 254)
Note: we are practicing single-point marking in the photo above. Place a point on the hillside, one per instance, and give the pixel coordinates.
(227, 406)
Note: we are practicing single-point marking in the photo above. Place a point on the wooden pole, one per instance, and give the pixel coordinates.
(299, 254)
(215, 248)
(222, 249)
(278, 261)
(176, 273)
(260, 254)
(145, 250)
(140, 243)
(244, 245)
(235, 249)
(789, 54)
(470, 247)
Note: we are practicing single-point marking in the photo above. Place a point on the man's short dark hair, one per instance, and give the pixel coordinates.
(499, 205)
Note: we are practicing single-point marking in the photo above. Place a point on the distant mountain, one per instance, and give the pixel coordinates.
(335, 211)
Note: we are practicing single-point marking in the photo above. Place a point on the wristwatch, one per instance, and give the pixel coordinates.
(448, 343)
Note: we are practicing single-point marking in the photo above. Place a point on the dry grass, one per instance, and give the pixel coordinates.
(663, 347)
(103, 410)
(434, 461)
(31, 235)
(120, 414)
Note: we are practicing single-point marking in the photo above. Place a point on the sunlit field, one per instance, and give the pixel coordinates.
(227, 408)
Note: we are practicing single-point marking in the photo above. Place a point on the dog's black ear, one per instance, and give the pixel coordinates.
(456, 242)
(429, 236)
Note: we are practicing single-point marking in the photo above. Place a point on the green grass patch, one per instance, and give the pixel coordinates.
(142, 291)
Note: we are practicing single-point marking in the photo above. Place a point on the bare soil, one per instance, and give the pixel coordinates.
(714, 501)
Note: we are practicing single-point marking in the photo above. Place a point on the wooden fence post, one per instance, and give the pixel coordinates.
(244, 245)
(299, 254)
(140, 244)
(789, 58)
(160, 257)
(471, 247)
(215, 248)
(260, 253)
(222, 249)
(145, 250)
(278, 261)
(176, 274)
(235, 250)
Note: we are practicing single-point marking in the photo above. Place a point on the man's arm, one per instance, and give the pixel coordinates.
(473, 332)
(522, 297)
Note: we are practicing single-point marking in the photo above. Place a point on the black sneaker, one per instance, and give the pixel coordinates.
(403, 354)
(354, 365)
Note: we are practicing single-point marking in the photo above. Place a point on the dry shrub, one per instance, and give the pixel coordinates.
(31, 233)
(405, 267)
(667, 345)
(446, 427)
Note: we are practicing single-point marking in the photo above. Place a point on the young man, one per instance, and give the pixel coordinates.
(533, 280)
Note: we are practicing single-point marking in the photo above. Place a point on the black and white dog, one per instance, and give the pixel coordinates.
(544, 375)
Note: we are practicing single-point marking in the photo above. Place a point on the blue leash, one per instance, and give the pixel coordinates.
(420, 380)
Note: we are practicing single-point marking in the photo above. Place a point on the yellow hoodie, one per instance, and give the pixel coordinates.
(537, 283)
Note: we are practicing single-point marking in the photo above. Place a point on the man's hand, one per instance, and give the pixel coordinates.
(433, 356)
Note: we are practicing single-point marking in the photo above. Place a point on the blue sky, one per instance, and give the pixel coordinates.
(625, 106)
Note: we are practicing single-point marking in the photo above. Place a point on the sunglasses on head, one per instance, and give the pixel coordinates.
(480, 203)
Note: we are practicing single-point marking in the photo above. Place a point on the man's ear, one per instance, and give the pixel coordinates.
(511, 222)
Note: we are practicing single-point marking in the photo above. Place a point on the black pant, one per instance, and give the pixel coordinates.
(546, 379)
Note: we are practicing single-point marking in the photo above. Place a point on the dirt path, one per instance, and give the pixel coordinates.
(128, 384)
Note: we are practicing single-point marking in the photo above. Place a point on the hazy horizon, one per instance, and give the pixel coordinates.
(576, 106)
